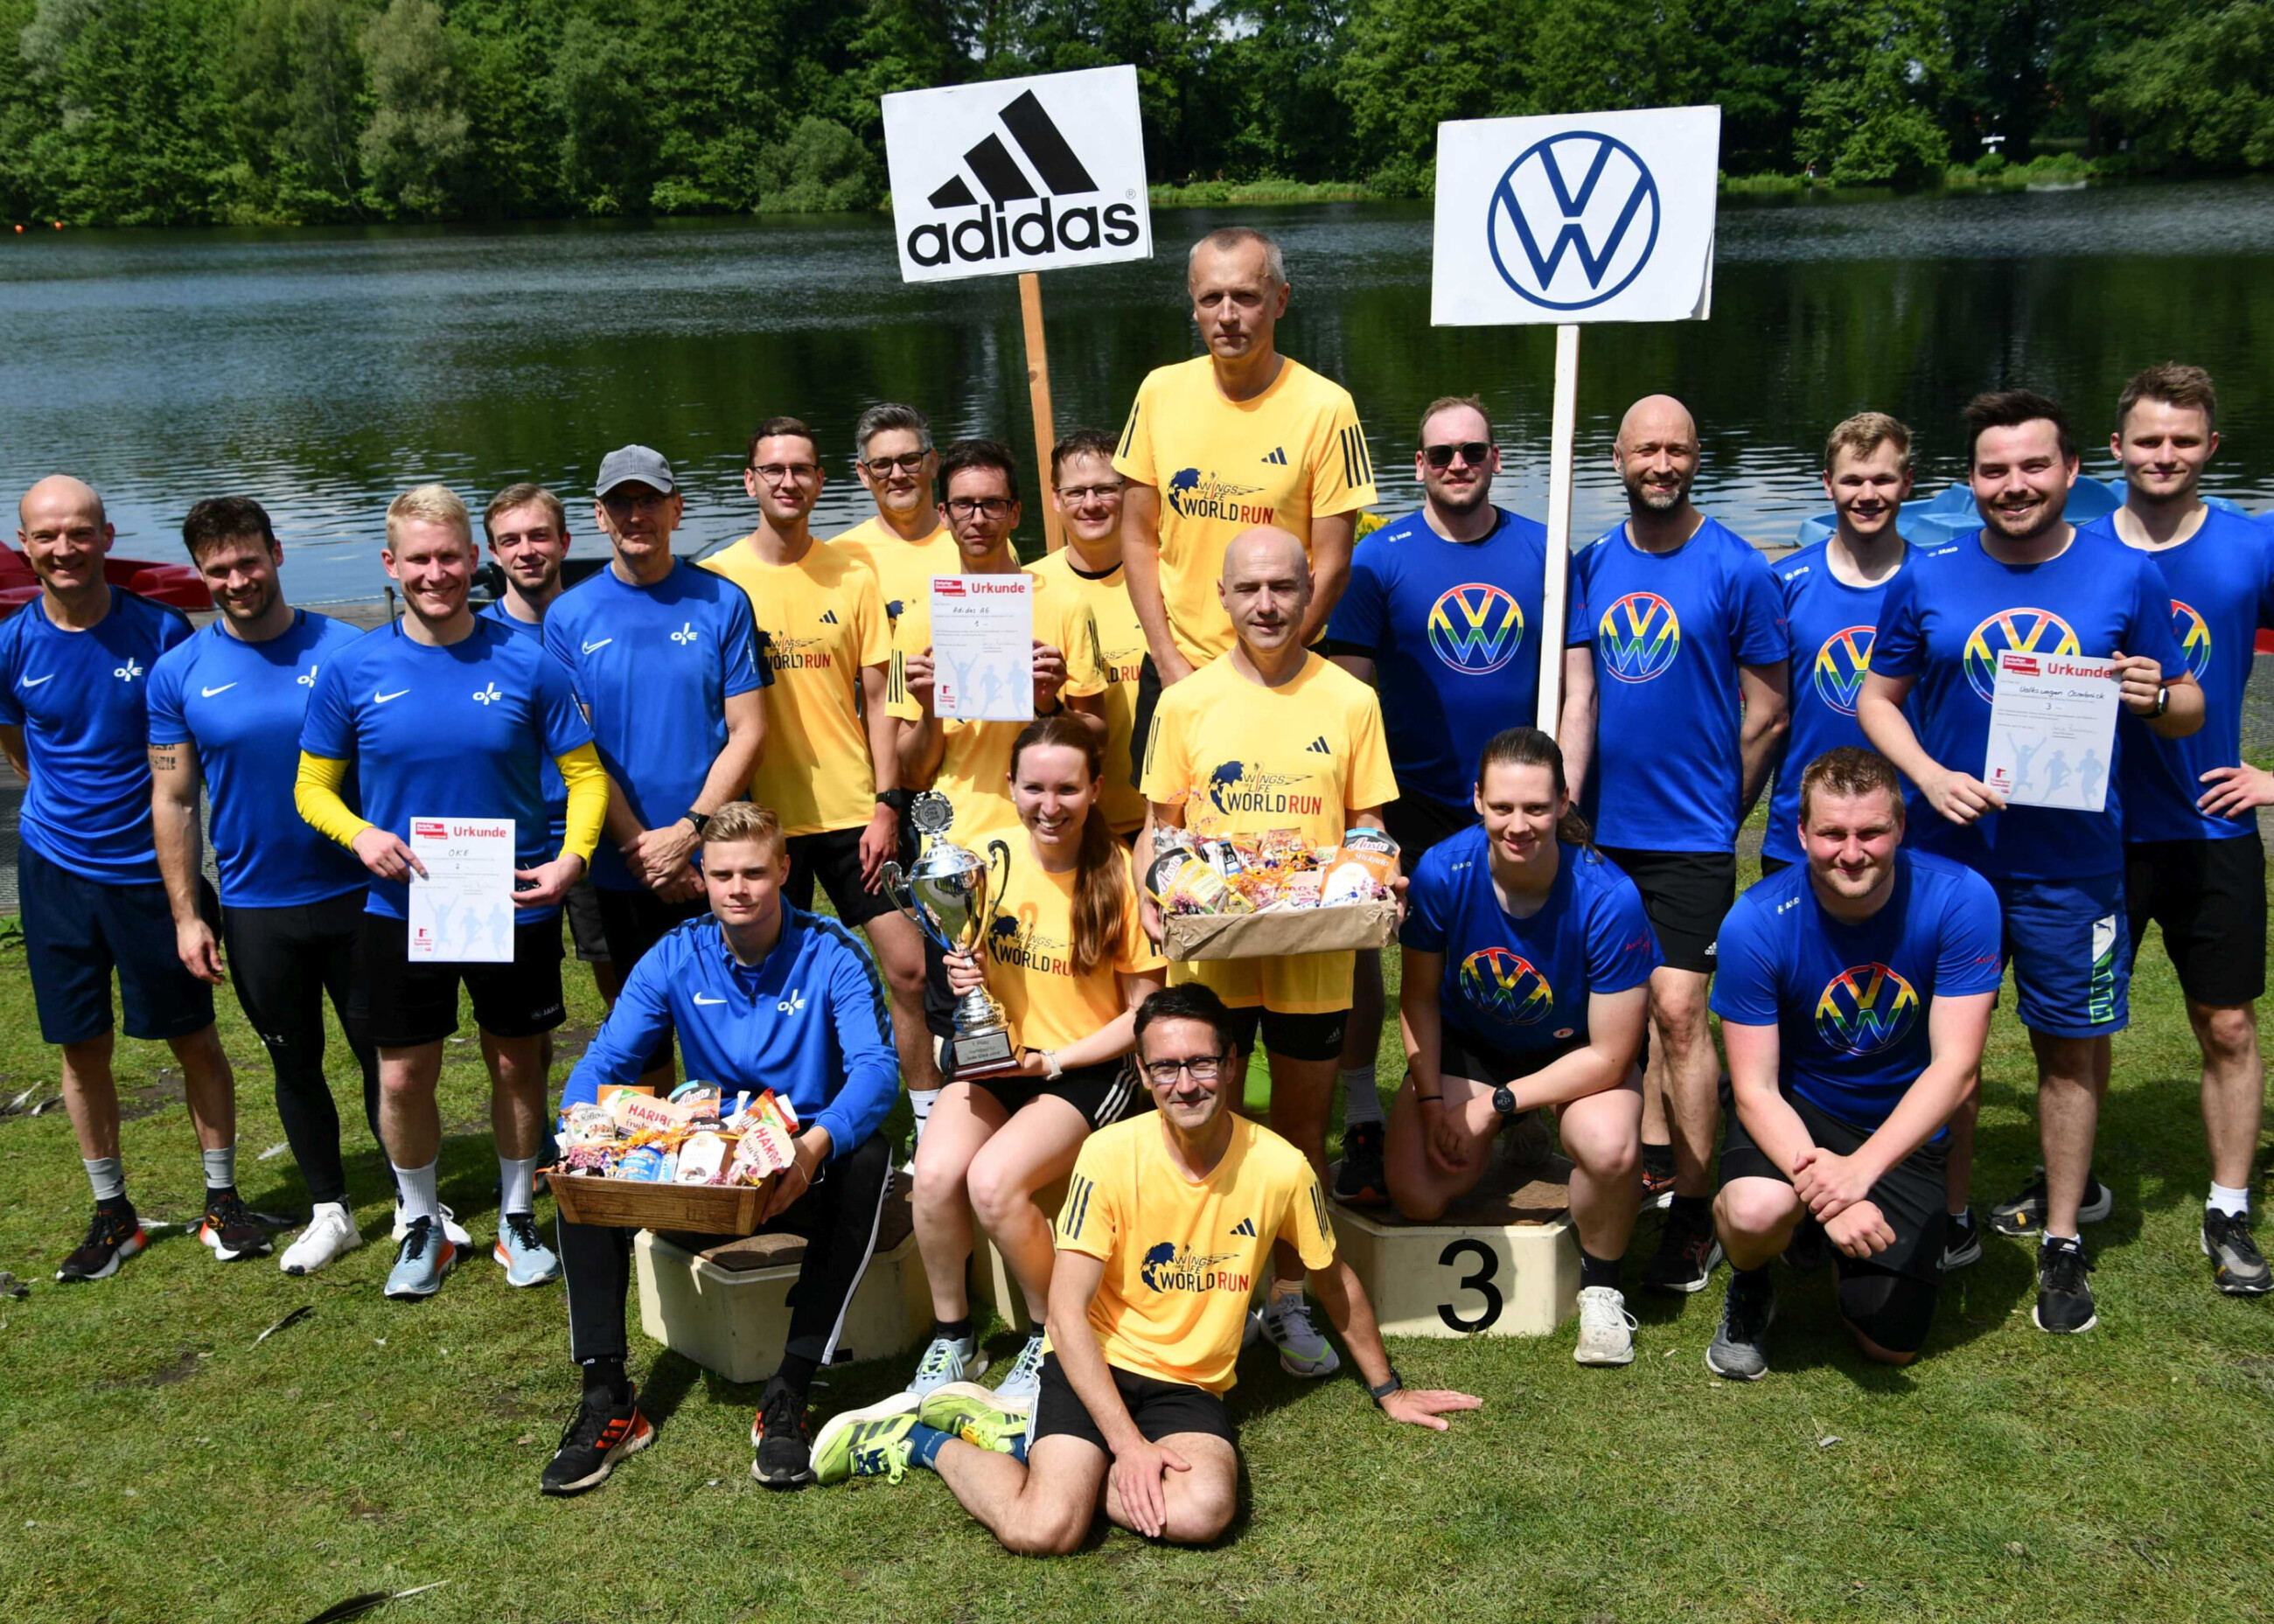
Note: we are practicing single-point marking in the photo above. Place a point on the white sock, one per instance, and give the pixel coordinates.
(420, 1197)
(221, 1167)
(920, 1101)
(517, 1180)
(108, 1176)
(1361, 1101)
(2076, 1240)
(2233, 1203)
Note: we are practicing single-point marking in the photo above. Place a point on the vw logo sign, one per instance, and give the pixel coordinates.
(1573, 220)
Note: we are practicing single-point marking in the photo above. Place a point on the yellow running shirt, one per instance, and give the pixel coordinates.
(1121, 645)
(973, 773)
(904, 569)
(1293, 453)
(1241, 758)
(819, 621)
(1181, 1259)
(1030, 949)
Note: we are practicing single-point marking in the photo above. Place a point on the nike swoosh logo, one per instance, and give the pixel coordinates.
(379, 698)
(36, 682)
(603, 643)
(699, 998)
(207, 692)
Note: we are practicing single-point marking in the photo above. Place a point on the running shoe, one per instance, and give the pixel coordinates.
(976, 1415)
(596, 1438)
(521, 1253)
(2064, 1295)
(1359, 1181)
(1018, 1389)
(1686, 1252)
(2236, 1266)
(783, 1439)
(1606, 1329)
(420, 1263)
(1739, 1349)
(1657, 1176)
(857, 1444)
(331, 1231)
(453, 1231)
(1303, 1351)
(113, 1236)
(945, 1359)
(1961, 1241)
(2025, 1213)
(1805, 1252)
(228, 1229)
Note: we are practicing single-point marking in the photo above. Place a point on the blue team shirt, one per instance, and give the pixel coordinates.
(1452, 628)
(655, 664)
(2221, 585)
(555, 791)
(455, 731)
(1944, 622)
(1850, 1002)
(808, 1020)
(81, 699)
(242, 705)
(1831, 625)
(1670, 631)
(1520, 986)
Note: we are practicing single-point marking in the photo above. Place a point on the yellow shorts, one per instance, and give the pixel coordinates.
(1300, 984)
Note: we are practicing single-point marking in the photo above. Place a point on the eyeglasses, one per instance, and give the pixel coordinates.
(1204, 1068)
(1075, 495)
(1475, 453)
(993, 506)
(776, 471)
(908, 464)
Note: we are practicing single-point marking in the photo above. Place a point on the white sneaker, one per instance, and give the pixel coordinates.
(331, 1231)
(453, 1231)
(1606, 1329)
(1303, 1351)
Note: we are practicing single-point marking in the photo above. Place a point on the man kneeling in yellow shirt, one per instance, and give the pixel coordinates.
(1167, 1223)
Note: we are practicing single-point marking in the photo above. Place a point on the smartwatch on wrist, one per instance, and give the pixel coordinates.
(1503, 1099)
(898, 799)
(1051, 1069)
(2163, 701)
(700, 820)
(1394, 1384)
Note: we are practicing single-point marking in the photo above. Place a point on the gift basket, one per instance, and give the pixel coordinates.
(696, 1161)
(1267, 895)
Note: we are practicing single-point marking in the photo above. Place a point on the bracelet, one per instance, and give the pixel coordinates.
(1051, 1069)
(1429, 1099)
(1394, 1384)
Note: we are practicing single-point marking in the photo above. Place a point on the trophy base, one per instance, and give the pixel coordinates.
(982, 1054)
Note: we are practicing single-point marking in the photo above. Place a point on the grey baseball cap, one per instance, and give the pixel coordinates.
(635, 465)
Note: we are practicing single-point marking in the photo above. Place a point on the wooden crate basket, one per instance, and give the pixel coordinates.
(632, 1204)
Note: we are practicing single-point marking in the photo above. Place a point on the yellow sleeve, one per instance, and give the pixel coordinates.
(872, 633)
(1304, 1226)
(1132, 458)
(1087, 1221)
(587, 782)
(1342, 469)
(1077, 639)
(1138, 956)
(316, 794)
(1371, 781)
(897, 701)
(1165, 776)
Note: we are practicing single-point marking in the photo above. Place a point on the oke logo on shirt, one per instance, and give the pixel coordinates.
(1639, 636)
(1506, 986)
(2027, 631)
(1475, 627)
(1841, 665)
(2194, 634)
(1864, 1008)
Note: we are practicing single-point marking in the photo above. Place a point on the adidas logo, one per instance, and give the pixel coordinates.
(1023, 160)
(829, 617)
(1246, 1226)
(1320, 747)
(1278, 457)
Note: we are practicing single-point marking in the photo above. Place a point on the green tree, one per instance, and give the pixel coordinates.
(1590, 56)
(822, 168)
(608, 145)
(1410, 65)
(1868, 119)
(2200, 95)
(415, 143)
(294, 79)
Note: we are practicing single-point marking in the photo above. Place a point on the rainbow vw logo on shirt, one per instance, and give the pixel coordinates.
(1864, 1008)
(1639, 636)
(1475, 627)
(2194, 633)
(1506, 986)
(2027, 631)
(1841, 665)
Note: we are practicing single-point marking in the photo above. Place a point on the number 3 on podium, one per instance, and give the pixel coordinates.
(1479, 1281)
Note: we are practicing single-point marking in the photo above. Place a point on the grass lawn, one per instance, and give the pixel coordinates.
(157, 1466)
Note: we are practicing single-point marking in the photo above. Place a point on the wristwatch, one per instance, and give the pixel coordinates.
(1058, 704)
(1504, 1101)
(1394, 1384)
(1051, 1069)
(701, 820)
(898, 799)
(2163, 700)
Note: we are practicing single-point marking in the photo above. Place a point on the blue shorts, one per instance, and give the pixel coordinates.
(76, 930)
(2069, 945)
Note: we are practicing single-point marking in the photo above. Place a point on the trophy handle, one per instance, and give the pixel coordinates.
(999, 866)
(903, 900)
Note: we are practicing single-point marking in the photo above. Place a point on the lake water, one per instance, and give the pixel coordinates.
(323, 371)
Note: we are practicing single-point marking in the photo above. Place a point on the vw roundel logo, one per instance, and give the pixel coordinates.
(1573, 220)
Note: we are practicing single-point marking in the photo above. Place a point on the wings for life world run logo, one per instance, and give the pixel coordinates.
(1235, 787)
(1864, 1008)
(1506, 986)
(2194, 633)
(1167, 1268)
(1046, 221)
(1476, 628)
(1194, 495)
(1638, 637)
(1841, 665)
(2026, 631)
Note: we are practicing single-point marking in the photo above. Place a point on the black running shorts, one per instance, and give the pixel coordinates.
(834, 858)
(2209, 896)
(1417, 822)
(1159, 1409)
(414, 1004)
(1102, 1094)
(1910, 1196)
(1686, 894)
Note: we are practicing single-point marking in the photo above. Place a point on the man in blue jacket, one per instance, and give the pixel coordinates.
(763, 995)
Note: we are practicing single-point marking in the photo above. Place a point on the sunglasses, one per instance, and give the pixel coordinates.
(1475, 453)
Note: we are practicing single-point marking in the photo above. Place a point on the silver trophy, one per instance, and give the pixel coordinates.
(946, 894)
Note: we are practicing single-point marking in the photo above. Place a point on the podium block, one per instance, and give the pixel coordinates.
(723, 1303)
(1502, 1261)
(991, 1280)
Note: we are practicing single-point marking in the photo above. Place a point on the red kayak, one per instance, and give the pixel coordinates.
(176, 585)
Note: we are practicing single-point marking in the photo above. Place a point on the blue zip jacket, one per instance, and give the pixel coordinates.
(809, 1021)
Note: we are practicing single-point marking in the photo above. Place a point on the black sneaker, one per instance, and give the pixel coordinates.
(228, 1229)
(1962, 1241)
(1739, 1349)
(114, 1236)
(1657, 1176)
(2064, 1295)
(1805, 1252)
(784, 1439)
(2024, 1214)
(1359, 1181)
(596, 1438)
(1687, 1253)
(2236, 1266)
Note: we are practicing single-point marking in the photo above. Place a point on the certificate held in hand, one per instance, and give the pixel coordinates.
(982, 648)
(462, 912)
(2052, 730)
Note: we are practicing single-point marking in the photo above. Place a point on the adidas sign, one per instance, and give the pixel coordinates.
(1018, 175)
